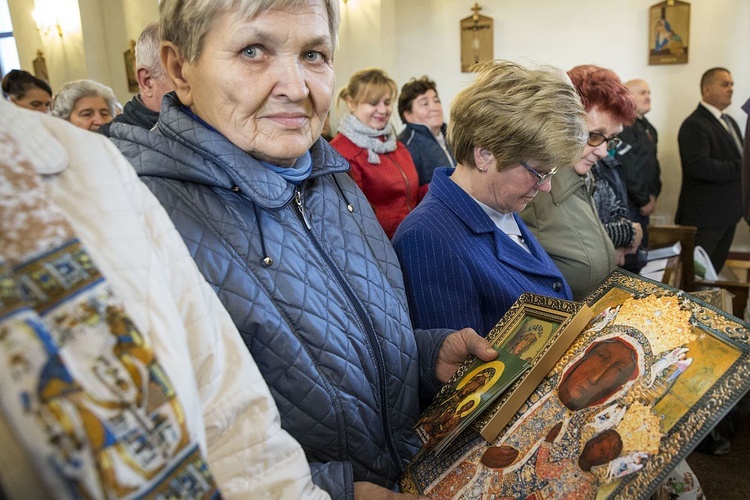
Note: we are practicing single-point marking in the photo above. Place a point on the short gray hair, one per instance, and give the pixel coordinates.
(66, 98)
(185, 23)
(518, 114)
(147, 51)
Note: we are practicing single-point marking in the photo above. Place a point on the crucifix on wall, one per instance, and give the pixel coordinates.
(476, 39)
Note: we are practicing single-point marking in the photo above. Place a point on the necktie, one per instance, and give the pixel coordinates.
(732, 132)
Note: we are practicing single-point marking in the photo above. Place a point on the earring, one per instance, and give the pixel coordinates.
(483, 170)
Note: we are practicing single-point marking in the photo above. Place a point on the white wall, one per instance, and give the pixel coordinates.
(96, 33)
(416, 37)
(65, 56)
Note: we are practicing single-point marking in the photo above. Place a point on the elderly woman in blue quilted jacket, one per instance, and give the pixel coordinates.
(286, 238)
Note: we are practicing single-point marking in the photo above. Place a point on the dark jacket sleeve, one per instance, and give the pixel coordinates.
(697, 161)
(640, 167)
(746, 167)
(335, 478)
(429, 343)
(613, 215)
(421, 278)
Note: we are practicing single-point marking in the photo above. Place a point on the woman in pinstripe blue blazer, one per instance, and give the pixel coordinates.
(466, 254)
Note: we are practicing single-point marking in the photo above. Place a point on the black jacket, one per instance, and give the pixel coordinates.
(640, 166)
(711, 194)
(134, 113)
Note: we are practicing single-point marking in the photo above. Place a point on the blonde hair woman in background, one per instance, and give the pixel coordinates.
(380, 164)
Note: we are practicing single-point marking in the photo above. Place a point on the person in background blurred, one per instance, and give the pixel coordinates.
(610, 199)
(380, 164)
(25, 90)
(143, 109)
(424, 136)
(640, 165)
(85, 103)
(711, 148)
(466, 254)
(610, 191)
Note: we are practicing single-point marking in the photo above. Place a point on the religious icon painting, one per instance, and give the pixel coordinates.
(469, 397)
(635, 392)
(669, 32)
(534, 332)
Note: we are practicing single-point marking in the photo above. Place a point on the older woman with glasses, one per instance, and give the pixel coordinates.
(565, 219)
(466, 254)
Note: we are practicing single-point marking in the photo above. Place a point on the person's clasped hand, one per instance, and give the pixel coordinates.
(457, 347)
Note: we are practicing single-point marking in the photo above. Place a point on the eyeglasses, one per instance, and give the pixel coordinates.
(541, 178)
(597, 139)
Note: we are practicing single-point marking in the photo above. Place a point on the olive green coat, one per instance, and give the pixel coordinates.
(567, 225)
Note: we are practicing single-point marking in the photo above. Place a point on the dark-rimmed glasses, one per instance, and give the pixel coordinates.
(541, 178)
(597, 139)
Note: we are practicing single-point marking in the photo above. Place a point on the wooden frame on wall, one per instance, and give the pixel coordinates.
(130, 68)
(477, 33)
(669, 32)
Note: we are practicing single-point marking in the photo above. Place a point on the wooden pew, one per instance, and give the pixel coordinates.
(680, 271)
(739, 289)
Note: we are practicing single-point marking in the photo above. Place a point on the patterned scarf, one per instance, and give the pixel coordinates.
(368, 138)
(80, 384)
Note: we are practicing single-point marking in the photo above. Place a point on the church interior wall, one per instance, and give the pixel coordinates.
(418, 37)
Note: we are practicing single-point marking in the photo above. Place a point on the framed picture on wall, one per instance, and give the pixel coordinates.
(40, 66)
(476, 39)
(669, 32)
(130, 68)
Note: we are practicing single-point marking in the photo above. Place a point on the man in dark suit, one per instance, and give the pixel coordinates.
(711, 152)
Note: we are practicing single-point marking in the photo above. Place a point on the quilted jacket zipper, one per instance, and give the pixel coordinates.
(369, 330)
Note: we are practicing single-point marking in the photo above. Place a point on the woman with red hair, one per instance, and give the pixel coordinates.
(565, 220)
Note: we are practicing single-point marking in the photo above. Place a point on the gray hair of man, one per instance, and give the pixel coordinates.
(66, 98)
(518, 113)
(147, 51)
(186, 23)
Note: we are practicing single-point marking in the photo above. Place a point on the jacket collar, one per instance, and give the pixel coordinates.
(715, 112)
(565, 183)
(717, 123)
(198, 154)
(425, 129)
(471, 214)
(136, 113)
